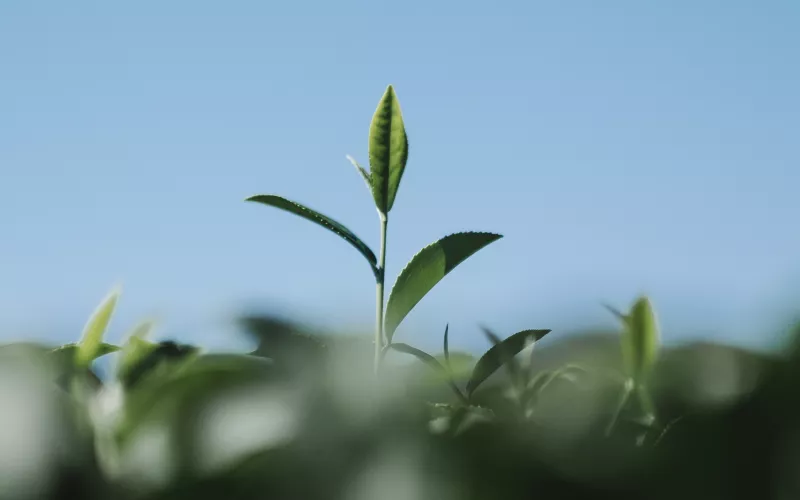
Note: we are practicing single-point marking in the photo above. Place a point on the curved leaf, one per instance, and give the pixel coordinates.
(426, 269)
(421, 355)
(322, 220)
(447, 345)
(640, 340)
(500, 354)
(92, 338)
(431, 362)
(65, 355)
(388, 150)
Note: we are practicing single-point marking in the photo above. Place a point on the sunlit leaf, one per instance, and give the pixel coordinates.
(92, 338)
(426, 269)
(500, 354)
(319, 219)
(388, 150)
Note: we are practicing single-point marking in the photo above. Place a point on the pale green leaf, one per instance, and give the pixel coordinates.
(361, 170)
(640, 339)
(92, 339)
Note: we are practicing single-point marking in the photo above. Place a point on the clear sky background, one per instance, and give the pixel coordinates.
(621, 147)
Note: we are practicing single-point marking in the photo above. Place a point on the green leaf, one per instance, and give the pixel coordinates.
(388, 150)
(447, 346)
(500, 354)
(514, 369)
(135, 349)
(322, 220)
(364, 174)
(64, 356)
(92, 338)
(459, 364)
(640, 340)
(432, 363)
(141, 359)
(426, 269)
(421, 355)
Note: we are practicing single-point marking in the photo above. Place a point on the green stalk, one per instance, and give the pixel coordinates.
(379, 336)
(623, 400)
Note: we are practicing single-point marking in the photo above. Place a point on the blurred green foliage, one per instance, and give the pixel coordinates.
(304, 416)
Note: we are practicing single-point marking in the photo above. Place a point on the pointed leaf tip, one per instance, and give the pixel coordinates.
(91, 343)
(426, 269)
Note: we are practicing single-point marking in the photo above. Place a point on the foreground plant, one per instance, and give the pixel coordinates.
(388, 155)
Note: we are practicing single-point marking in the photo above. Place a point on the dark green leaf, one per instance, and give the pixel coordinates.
(92, 338)
(447, 346)
(514, 370)
(616, 312)
(499, 354)
(388, 150)
(426, 269)
(322, 220)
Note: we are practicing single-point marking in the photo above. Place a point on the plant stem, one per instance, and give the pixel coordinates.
(379, 335)
(623, 400)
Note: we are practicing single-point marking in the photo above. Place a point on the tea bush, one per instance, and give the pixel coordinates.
(312, 414)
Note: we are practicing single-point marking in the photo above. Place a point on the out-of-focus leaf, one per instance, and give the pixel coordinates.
(640, 341)
(500, 354)
(175, 391)
(135, 348)
(455, 420)
(388, 150)
(617, 313)
(426, 269)
(141, 358)
(92, 339)
(277, 336)
(321, 220)
(65, 355)
(459, 365)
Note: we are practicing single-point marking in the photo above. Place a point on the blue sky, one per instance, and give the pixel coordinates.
(621, 147)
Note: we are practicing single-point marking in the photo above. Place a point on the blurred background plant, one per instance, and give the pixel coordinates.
(304, 416)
